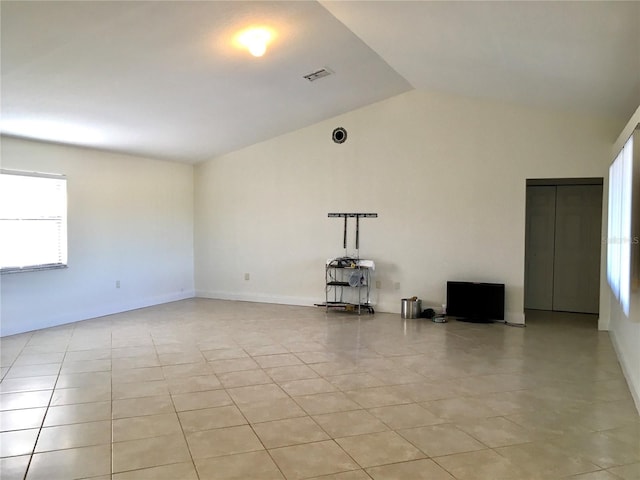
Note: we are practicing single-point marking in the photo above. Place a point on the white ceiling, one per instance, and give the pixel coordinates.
(163, 79)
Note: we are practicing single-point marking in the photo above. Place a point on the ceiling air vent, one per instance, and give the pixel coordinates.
(323, 72)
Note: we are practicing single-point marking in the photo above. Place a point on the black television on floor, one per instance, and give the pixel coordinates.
(475, 302)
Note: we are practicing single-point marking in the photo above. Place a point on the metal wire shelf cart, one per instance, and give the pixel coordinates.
(348, 278)
(348, 284)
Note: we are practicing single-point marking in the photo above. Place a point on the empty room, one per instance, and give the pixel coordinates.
(328, 240)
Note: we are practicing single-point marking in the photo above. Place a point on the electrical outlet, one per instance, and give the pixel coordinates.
(378, 284)
(247, 276)
(117, 283)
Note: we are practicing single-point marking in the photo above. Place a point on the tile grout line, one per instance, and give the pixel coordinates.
(33, 452)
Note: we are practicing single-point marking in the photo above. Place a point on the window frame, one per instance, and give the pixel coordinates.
(62, 240)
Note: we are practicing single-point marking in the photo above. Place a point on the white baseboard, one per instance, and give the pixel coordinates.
(98, 311)
(281, 299)
(258, 298)
(626, 370)
(515, 318)
(512, 318)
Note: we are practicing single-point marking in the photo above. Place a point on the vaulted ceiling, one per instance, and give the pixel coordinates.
(165, 79)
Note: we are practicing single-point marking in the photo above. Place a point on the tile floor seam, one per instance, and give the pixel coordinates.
(333, 440)
(139, 469)
(444, 468)
(263, 445)
(247, 423)
(33, 452)
(31, 455)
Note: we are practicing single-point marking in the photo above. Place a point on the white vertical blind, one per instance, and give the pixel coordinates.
(619, 227)
(33, 220)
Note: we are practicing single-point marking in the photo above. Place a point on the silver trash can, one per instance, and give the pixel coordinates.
(411, 308)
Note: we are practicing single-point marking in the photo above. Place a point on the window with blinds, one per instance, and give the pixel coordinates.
(33, 221)
(619, 239)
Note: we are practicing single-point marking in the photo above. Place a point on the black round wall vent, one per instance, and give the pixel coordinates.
(339, 135)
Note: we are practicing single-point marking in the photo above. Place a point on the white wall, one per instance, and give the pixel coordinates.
(130, 219)
(625, 330)
(446, 174)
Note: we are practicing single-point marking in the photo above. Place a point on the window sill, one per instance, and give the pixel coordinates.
(35, 268)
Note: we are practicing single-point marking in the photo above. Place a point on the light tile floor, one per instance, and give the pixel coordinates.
(206, 389)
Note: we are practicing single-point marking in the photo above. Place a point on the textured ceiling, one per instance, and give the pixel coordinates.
(163, 79)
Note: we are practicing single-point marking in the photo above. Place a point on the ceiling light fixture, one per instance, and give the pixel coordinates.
(255, 39)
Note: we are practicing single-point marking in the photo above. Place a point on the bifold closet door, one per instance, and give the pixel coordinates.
(576, 271)
(539, 247)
